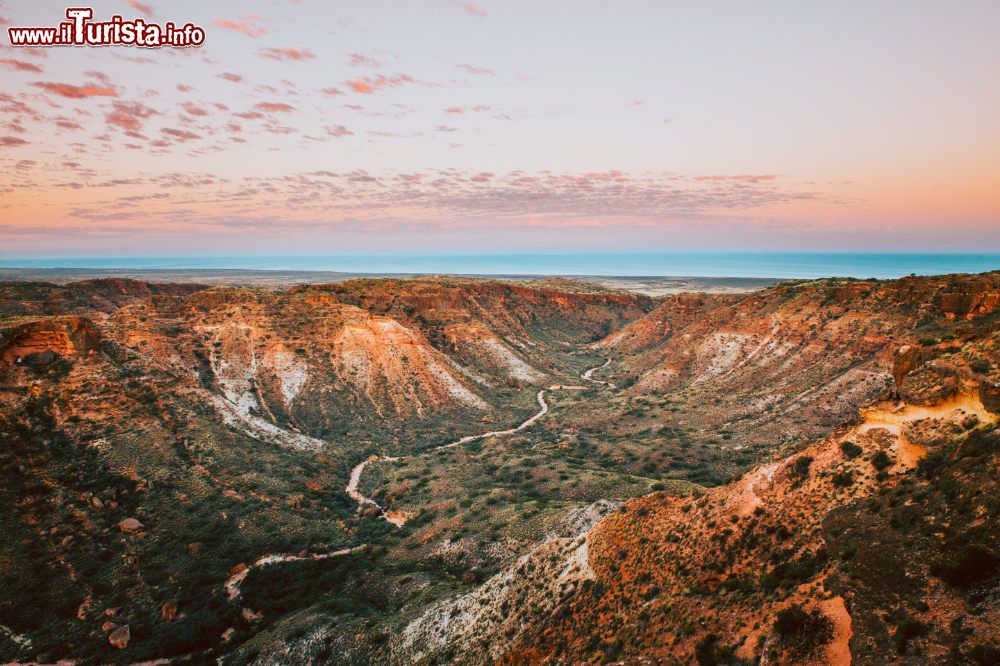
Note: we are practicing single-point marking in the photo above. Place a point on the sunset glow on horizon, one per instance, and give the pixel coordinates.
(439, 125)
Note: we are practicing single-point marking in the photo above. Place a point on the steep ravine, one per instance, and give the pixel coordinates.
(241, 571)
(356, 472)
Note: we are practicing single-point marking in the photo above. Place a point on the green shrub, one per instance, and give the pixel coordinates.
(984, 655)
(850, 449)
(708, 652)
(907, 630)
(801, 631)
(800, 468)
(930, 463)
(843, 479)
(982, 366)
(967, 566)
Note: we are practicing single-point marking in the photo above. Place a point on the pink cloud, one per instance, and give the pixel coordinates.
(11, 141)
(66, 123)
(194, 110)
(747, 178)
(367, 85)
(363, 87)
(338, 131)
(471, 8)
(77, 92)
(446, 197)
(454, 109)
(287, 54)
(129, 116)
(248, 25)
(180, 135)
(274, 107)
(332, 91)
(362, 60)
(477, 71)
(229, 76)
(9, 104)
(20, 65)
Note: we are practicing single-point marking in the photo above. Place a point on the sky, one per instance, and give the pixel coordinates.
(323, 127)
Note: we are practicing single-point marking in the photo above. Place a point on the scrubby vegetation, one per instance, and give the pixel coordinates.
(140, 479)
(801, 631)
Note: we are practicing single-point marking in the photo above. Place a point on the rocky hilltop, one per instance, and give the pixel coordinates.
(443, 470)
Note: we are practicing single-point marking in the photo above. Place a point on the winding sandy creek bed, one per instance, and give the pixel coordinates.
(397, 518)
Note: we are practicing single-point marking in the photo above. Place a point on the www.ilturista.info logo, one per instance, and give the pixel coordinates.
(79, 30)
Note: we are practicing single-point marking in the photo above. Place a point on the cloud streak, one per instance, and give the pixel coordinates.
(129, 116)
(471, 8)
(20, 65)
(294, 54)
(369, 85)
(71, 91)
(435, 198)
(248, 25)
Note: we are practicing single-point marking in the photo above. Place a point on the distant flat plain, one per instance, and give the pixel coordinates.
(651, 285)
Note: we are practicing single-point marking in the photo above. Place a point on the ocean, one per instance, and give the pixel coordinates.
(631, 264)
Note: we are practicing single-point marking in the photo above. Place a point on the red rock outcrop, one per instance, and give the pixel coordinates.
(68, 337)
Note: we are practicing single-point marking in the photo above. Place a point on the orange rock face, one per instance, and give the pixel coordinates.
(68, 337)
(969, 304)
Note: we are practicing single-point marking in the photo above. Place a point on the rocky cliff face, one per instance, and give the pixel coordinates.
(409, 349)
(820, 558)
(68, 337)
(789, 362)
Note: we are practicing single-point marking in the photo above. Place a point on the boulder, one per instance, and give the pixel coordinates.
(989, 393)
(130, 525)
(120, 637)
(907, 359)
(39, 359)
(168, 611)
